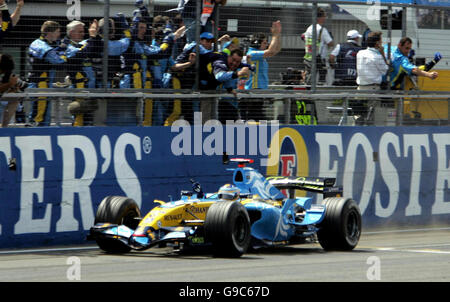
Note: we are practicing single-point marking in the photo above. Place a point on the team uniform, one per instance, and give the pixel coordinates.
(43, 58)
(252, 109)
(82, 75)
(215, 74)
(117, 112)
(259, 79)
(186, 80)
(159, 66)
(401, 66)
(6, 24)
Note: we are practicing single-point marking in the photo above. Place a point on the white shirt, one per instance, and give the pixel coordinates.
(325, 39)
(370, 67)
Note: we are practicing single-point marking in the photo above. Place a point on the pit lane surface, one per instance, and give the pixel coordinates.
(406, 255)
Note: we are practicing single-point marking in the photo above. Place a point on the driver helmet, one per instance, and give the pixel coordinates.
(229, 192)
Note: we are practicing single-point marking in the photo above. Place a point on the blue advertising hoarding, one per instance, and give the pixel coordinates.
(408, 2)
(442, 3)
(381, 1)
(53, 179)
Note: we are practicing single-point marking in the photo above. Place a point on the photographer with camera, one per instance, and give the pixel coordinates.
(9, 83)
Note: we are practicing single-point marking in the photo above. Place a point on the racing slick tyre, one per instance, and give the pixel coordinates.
(227, 227)
(117, 210)
(341, 226)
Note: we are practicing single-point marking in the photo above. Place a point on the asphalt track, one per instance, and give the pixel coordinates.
(389, 256)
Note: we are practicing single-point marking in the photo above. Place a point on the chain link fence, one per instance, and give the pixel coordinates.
(160, 63)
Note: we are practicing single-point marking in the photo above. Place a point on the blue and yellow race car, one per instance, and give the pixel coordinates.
(251, 212)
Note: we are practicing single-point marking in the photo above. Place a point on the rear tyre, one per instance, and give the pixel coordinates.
(227, 227)
(117, 210)
(341, 226)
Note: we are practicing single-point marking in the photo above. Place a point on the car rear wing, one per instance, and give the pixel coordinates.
(320, 185)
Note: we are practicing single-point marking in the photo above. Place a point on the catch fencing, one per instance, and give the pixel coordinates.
(112, 94)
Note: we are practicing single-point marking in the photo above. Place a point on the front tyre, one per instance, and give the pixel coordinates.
(227, 227)
(121, 211)
(341, 226)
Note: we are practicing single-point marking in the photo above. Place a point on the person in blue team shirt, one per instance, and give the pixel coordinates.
(75, 39)
(227, 44)
(136, 57)
(80, 71)
(226, 69)
(160, 67)
(183, 71)
(118, 112)
(119, 41)
(221, 70)
(139, 57)
(401, 64)
(44, 56)
(185, 62)
(259, 51)
(161, 63)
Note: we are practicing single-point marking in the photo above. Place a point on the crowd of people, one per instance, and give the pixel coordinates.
(343, 59)
(162, 52)
(146, 53)
(363, 61)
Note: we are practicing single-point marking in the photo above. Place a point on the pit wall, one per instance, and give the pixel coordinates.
(53, 179)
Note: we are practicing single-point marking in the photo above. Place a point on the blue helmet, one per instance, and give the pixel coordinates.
(207, 35)
(229, 192)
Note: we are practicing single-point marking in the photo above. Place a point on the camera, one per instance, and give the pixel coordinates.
(6, 68)
(292, 77)
(22, 84)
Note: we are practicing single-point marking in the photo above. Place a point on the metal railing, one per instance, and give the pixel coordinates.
(324, 107)
(331, 104)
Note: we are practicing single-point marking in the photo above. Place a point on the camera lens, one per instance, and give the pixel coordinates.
(22, 85)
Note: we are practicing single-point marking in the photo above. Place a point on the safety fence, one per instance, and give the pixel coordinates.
(133, 73)
(346, 107)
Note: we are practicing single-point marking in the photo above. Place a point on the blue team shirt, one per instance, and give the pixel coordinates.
(259, 78)
(400, 63)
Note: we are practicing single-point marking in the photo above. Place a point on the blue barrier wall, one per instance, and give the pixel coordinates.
(399, 176)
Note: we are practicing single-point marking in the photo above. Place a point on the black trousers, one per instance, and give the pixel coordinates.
(252, 109)
(320, 68)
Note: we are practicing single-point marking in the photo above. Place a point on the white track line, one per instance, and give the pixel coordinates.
(426, 251)
(406, 231)
(64, 249)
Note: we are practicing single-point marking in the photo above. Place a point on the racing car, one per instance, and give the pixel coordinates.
(251, 212)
